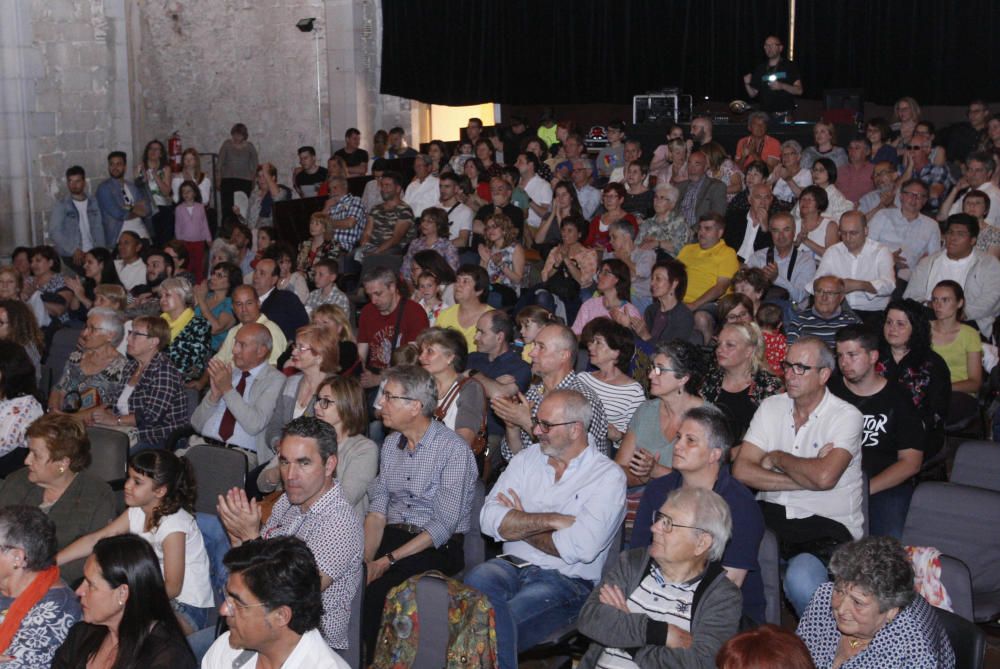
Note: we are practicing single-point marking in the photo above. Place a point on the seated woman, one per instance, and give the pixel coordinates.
(870, 615)
(159, 495)
(49, 283)
(114, 297)
(18, 406)
(752, 282)
(267, 191)
(213, 300)
(735, 308)
(19, 326)
(94, 374)
(959, 346)
(667, 318)
(565, 204)
(816, 230)
(612, 199)
(39, 608)
(757, 172)
(639, 261)
(127, 617)
(98, 268)
(764, 647)
(336, 322)
(56, 481)
(461, 399)
(977, 203)
(614, 287)
(560, 273)
(288, 278)
(824, 135)
(611, 348)
(502, 256)
(638, 196)
(11, 283)
(340, 402)
(176, 249)
(739, 381)
(671, 604)
(190, 342)
(433, 235)
(666, 231)
(721, 167)
(824, 175)
(152, 402)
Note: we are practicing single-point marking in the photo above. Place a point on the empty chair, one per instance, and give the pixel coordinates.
(108, 453)
(216, 470)
(977, 463)
(770, 573)
(967, 640)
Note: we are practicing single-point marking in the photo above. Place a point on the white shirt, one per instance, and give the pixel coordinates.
(993, 193)
(832, 421)
(205, 188)
(917, 238)
(873, 264)
(311, 652)
(86, 239)
(459, 218)
(133, 274)
(784, 192)
(540, 192)
(422, 194)
(749, 236)
(197, 588)
(592, 489)
(946, 268)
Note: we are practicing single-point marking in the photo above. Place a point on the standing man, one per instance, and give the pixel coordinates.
(354, 156)
(75, 224)
(397, 145)
(308, 176)
(909, 235)
(776, 82)
(423, 191)
(123, 205)
(387, 322)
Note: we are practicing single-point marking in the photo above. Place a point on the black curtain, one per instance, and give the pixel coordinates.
(557, 52)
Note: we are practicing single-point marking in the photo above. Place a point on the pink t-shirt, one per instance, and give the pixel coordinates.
(594, 308)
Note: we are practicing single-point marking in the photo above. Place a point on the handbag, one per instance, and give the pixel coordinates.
(479, 442)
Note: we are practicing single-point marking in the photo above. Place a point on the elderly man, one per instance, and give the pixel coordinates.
(346, 213)
(745, 235)
(710, 264)
(241, 399)
(283, 307)
(557, 507)
(314, 509)
(390, 224)
(670, 605)
(758, 145)
(789, 178)
(910, 235)
(279, 575)
(246, 309)
(423, 189)
(977, 174)
(420, 502)
(75, 224)
(700, 194)
(500, 203)
(977, 272)
(802, 451)
(776, 82)
(589, 197)
(700, 460)
(388, 321)
(866, 267)
(826, 315)
(886, 195)
(784, 267)
(552, 359)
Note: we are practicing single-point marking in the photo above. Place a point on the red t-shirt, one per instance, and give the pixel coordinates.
(379, 331)
(601, 239)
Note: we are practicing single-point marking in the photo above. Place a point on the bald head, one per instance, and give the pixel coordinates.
(252, 346)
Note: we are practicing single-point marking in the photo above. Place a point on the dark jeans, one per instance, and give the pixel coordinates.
(449, 558)
(887, 510)
(163, 226)
(227, 188)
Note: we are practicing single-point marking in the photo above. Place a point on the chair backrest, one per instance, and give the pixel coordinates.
(191, 396)
(770, 573)
(108, 454)
(865, 497)
(64, 342)
(977, 463)
(615, 550)
(474, 546)
(354, 654)
(967, 640)
(954, 519)
(216, 470)
(432, 603)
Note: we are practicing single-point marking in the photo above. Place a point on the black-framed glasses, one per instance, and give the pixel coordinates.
(325, 402)
(545, 426)
(388, 397)
(669, 524)
(797, 367)
(660, 369)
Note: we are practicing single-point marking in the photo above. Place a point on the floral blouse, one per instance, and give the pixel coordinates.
(107, 382)
(763, 384)
(674, 230)
(309, 257)
(15, 416)
(43, 629)
(495, 270)
(189, 351)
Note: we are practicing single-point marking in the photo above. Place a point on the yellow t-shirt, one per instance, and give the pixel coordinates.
(706, 266)
(956, 353)
(449, 319)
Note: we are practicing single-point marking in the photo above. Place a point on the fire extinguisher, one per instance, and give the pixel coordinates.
(174, 149)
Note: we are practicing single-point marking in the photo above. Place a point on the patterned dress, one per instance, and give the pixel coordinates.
(43, 629)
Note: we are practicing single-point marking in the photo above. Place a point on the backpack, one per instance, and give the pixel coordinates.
(421, 610)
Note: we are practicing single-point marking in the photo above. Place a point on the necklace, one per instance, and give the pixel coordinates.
(856, 643)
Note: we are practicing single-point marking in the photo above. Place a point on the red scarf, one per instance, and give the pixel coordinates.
(41, 584)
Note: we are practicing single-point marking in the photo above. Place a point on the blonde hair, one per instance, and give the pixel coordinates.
(506, 226)
(914, 107)
(750, 333)
(18, 279)
(327, 224)
(337, 315)
(114, 293)
(318, 337)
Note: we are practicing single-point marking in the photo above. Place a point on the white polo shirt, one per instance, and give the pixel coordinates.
(832, 421)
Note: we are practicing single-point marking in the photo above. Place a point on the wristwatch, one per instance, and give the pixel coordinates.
(392, 559)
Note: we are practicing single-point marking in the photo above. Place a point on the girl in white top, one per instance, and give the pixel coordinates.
(160, 493)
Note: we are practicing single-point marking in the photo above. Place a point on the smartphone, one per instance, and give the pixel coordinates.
(520, 563)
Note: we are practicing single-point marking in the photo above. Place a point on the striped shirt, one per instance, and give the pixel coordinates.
(620, 402)
(810, 324)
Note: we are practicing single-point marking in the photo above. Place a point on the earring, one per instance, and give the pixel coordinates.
(62, 470)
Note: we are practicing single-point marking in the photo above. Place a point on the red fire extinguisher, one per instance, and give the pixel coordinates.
(175, 150)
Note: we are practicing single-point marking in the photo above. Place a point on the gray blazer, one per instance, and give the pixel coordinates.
(711, 196)
(253, 413)
(283, 410)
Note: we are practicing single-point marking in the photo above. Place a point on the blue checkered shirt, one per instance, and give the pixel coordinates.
(348, 206)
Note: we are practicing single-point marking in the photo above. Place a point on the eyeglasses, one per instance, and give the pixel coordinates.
(325, 402)
(235, 606)
(606, 272)
(545, 426)
(302, 347)
(669, 524)
(919, 195)
(388, 397)
(827, 293)
(796, 367)
(660, 369)
(136, 333)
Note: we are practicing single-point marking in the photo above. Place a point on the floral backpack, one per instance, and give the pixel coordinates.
(421, 610)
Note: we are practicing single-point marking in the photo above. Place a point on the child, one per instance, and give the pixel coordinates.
(429, 295)
(191, 227)
(775, 342)
(530, 320)
(159, 492)
(265, 238)
(463, 152)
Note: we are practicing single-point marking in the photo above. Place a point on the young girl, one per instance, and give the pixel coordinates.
(265, 238)
(160, 493)
(191, 227)
(775, 343)
(531, 320)
(429, 295)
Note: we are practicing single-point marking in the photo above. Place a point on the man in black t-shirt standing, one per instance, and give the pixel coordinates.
(776, 82)
(308, 176)
(892, 442)
(352, 153)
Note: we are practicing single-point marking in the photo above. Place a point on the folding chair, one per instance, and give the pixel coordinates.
(977, 464)
(967, 640)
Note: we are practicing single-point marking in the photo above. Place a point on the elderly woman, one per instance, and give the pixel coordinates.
(55, 480)
(127, 616)
(152, 403)
(870, 615)
(11, 283)
(94, 374)
(669, 605)
(816, 230)
(790, 177)
(39, 608)
(190, 342)
(611, 348)
(434, 236)
(639, 261)
(461, 402)
(18, 325)
(18, 406)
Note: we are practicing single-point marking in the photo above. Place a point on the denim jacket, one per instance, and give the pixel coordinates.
(64, 226)
(113, 209)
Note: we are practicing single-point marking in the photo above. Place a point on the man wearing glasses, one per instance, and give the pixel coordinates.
(910, 235)
(557, 508)
(976, 175)
(885, 195)
(802, 451)
(826, 316)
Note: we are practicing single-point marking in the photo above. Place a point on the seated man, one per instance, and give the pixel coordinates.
(826, 316)
(279, 575)
(893, 442)
(501, 193)
(325, 277)
(865, 266)
(700, 460)
(423, 191)
(241, 399)
(283, 307)
(670, 605)
(420, 503)
(390, 224)
(910, 235)
(314, 509)
(802, 451)
(710, 265)
(346, 213)
(588, 196)
(782, 263)
(557, 507)
(246, 309)
(977, 175)
(159, 268)
(855, 178)
(749, 233)
(701, 194)
(978, 272)
(886, 195)
(130, 266)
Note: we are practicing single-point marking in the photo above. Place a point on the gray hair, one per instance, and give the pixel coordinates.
(416, 383)
(109, 321)
(759, 115)
(621, 225)
(424, 158)
(339, 180)
(181, 286)
(826, 357)
(380, 273)
(669, 189)
(792, 144)
(567, 340)
(710, 513)
(877, 565)
(582, 162)
(575, 406)
(225, 248)
(31, 530)
(716, 427)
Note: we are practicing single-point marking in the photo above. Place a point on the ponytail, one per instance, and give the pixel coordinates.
(174, 473)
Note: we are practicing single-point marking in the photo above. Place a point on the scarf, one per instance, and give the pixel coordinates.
(177, 326)
(40, 585)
